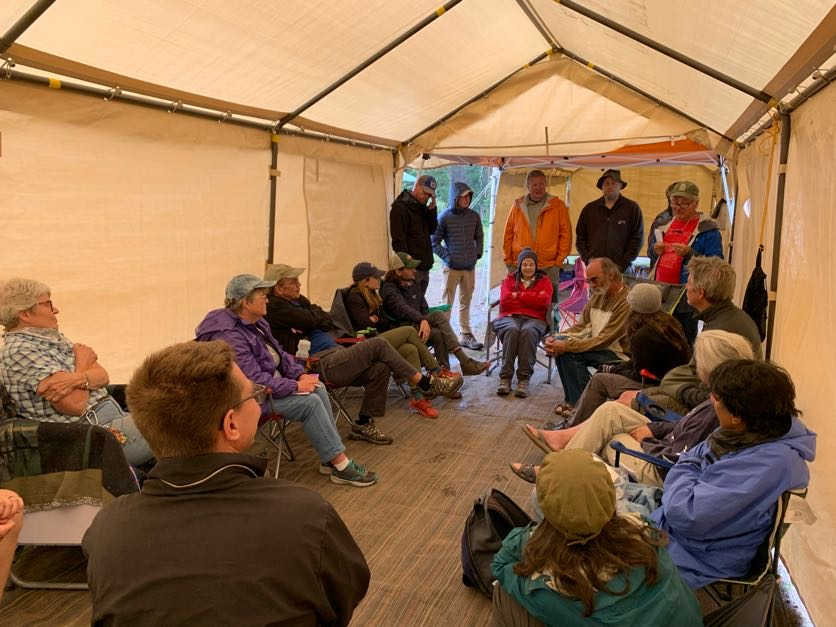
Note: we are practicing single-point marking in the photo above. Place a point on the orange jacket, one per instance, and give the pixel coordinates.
(554, 233)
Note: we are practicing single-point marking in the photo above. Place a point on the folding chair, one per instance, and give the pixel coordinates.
(491, 338)
(272, 429)
(571, 308)
(66, 525)
(765, 562)
(342, 322)
(766, 559)
(672, 293)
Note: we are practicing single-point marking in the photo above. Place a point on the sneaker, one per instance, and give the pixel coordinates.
(470, 366)
(468, 341)
(444, 386)
(424, 408)
(370, 433)
(504, 388)
(452, 374)
(522, 389)
(354, 474)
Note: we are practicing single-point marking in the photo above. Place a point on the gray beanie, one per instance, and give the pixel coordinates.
(645, 298)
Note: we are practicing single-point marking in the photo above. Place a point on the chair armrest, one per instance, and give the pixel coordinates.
(348, 341)
(619, 448)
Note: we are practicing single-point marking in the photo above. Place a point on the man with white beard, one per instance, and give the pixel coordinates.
(599, 335)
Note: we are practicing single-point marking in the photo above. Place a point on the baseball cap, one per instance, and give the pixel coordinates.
(241, 285)
(428, 183)
(686, 189)
(364, 269)
(408, 261)
(277, 271)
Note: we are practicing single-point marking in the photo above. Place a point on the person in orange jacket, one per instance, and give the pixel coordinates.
(541, 222)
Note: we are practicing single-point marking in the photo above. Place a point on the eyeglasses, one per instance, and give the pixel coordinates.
(259, 395)
(679, 200)
(48, 303)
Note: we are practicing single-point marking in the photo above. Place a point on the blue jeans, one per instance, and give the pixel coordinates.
(107, 413)
(574, 370)
(314, 412)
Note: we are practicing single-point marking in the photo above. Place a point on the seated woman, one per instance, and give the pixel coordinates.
(293, 394)
(363, 304)
(720, 499)
(49, 377)
(657, 344)
(616, 421)
(584, 562)
(525, 298)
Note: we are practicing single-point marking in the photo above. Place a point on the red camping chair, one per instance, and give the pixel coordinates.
(572, 307)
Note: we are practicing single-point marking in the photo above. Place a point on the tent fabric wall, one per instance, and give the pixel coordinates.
(752, 170)
(135, 218)
(331, 211)
(805, 336)
(646, 185)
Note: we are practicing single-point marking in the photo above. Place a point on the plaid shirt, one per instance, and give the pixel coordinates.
(28, 357)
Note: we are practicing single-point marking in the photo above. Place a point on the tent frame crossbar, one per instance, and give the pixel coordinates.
(372, 59)
(669, 52)
(24, 22)
(226, 117)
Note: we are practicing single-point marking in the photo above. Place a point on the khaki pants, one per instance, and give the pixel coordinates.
(465, 280)
(614, 421)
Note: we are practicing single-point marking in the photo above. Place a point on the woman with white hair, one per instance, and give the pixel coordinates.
(51, 378)
(615, 421)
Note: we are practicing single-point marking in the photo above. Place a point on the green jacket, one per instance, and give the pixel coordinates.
(668, 602)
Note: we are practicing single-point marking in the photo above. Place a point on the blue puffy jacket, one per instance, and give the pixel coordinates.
(717, 512)
(459, 239)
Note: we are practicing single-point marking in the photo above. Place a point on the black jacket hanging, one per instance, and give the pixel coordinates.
(756, 299)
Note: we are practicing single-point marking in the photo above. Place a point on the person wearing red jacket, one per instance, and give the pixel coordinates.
(525, 298)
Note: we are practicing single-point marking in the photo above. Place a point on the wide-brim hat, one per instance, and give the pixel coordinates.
(615, 174)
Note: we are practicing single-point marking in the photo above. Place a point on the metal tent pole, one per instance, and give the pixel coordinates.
(274, 175)
(669, 52)
(26, 20)
(377, 55)
(779, 221)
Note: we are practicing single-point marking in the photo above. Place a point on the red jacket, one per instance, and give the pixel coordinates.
(533, 302)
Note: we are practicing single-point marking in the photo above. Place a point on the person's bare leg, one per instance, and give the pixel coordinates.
(11, 522)
(556, 440)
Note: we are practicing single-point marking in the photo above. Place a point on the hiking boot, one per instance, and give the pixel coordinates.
(370, 433)
(353, 474)
(452, 374)
(468, 341)
(444, 386)
(522, 389)
(470, 366)
(504, 388)
(424, 408)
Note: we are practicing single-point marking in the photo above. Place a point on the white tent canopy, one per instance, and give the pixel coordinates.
(137, 217)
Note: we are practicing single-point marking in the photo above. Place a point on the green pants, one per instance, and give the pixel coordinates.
(405, 340)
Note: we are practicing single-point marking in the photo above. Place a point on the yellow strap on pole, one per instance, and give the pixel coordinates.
(774, 130)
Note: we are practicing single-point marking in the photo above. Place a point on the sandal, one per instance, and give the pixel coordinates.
(537, 438)
(525, 472)
(564, 410)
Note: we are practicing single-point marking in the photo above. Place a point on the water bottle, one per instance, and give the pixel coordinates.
(303, 350)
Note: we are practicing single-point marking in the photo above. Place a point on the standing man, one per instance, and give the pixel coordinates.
(209, 540)
(459, 241)
(538, 221)
(611, 226)
(412, 219)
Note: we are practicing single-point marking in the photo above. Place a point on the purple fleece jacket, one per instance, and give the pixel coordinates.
(249, 341)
